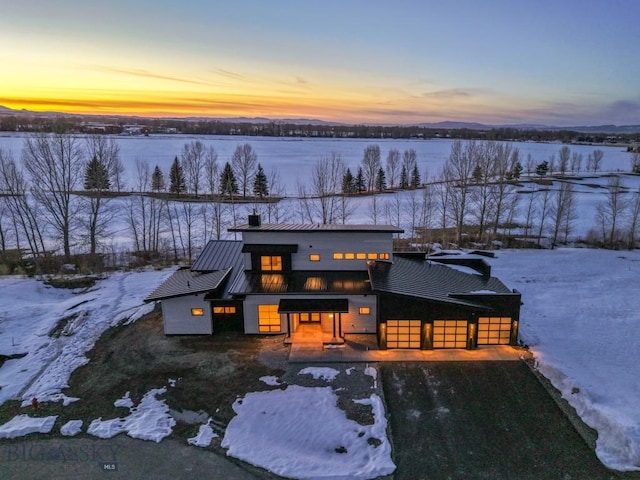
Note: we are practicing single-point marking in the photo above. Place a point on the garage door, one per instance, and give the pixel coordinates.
(494, 330)
(403, 333)
(449, 334)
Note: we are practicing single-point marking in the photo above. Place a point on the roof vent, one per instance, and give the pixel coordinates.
(254, 220)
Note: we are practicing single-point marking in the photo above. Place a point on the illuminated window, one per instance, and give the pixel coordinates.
(384, 256)
(372, 256)
(349, 256)
(314, 257)
(271, 263)
(364, 310)
(494, 330)
(338, 256)
(268, 318)
(224, 310)
(314, 283)
(361, 256)
(197, 312)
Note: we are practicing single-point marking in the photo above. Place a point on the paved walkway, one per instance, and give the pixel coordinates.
(318, 353)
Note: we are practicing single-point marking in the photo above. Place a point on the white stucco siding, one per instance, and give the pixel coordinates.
(325, 244)
(177, 317)
(354, 322)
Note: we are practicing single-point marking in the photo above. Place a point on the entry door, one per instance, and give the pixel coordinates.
(450, 333)
(309, 317)
(494, 330)
(403, 333)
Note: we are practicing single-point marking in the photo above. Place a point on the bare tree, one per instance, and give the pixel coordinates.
(215, 212)
(326, 182)
(244, 162)
(612, 209)
(634, 220)
(481, 201)
(370, 165)
(544, 203)
(596, 159)
(54, 163)
(393, 167)
(530, 164)
(24, 213)
(505, 160)
(530, 213)
(576, 162)
(193, 158)
(563, 160)
(562, 200)
(457, 174)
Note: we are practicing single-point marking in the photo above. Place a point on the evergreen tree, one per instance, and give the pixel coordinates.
(228, 182)
(542, 169)
(381, 180)
(360, 186)
(348, 182)
(157, 180)
(477, 174)
(415, 177)
(260, 185)
(517, 170)
(177, 183)
(96, 175)
(404, 177)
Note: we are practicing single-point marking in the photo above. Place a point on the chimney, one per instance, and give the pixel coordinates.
(254, 219)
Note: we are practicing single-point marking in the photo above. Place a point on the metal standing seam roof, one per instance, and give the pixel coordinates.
(425, 279)
(315, 227)
(185, 282)
(218, 255)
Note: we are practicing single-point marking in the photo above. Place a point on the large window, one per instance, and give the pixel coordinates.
(268, 318)
(271, 263)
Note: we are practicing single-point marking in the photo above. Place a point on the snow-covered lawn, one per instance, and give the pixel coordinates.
(300, 432)
(581, 318)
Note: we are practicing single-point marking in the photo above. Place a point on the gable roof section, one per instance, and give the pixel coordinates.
(218, 255)
(187, 282)
(432, 281)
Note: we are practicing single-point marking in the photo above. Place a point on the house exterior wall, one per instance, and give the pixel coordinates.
(177, 318)
(323, 243)
(352, 322)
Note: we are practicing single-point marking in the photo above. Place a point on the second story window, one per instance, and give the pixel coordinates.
(271, 263)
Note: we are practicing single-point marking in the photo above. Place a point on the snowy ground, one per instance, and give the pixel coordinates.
(580, 317)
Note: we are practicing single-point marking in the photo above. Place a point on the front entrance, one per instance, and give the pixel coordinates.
(306, 317)
(450, 333)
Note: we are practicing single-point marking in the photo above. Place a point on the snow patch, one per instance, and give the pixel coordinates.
(325, 373)
(273, 430)
(71, 428)
(373, 373)
(22, 425)
(270, 380)
(204, 437)
(150, 420)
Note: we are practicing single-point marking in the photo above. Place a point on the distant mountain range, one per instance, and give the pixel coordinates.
(447, 125)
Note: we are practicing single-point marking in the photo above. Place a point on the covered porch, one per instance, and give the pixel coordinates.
(314, 321)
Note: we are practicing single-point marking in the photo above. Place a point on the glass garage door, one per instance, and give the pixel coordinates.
(449, 334)
(494, 330)
(403, 333)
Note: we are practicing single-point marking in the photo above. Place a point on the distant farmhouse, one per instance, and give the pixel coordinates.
(342, 279)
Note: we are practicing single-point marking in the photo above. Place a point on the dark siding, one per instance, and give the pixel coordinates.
(228, 322)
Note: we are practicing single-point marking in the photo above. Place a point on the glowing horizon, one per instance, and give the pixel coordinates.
(360, 62)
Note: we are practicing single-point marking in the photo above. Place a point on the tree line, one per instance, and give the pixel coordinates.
(64, 196)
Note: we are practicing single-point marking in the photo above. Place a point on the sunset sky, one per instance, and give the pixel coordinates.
(556, 62)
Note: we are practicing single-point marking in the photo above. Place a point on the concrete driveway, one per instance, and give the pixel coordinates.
(481, 420)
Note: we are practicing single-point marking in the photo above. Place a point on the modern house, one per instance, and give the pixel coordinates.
(344, 279)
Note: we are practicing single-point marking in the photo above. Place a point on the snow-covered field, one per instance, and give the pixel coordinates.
(580, 317)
